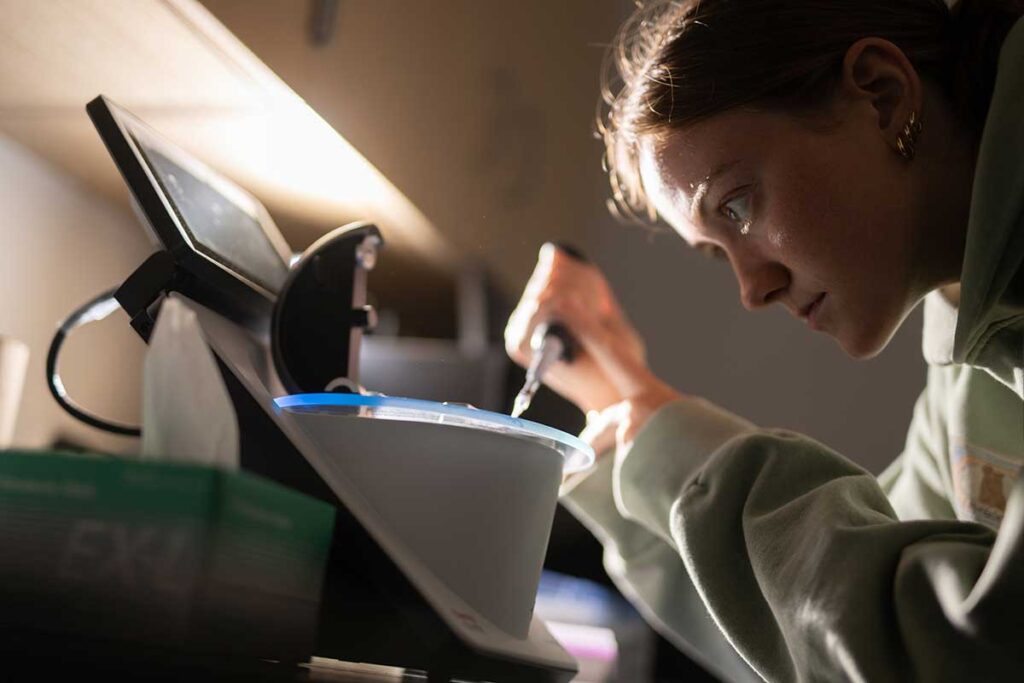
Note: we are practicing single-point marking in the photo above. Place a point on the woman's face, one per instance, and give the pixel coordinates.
(815, 218)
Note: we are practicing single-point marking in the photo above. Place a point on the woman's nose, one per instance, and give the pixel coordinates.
(760, 282)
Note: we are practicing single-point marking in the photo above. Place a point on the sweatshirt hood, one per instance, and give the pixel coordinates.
(992, 284)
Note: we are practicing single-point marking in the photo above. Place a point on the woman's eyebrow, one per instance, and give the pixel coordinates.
(697, 207)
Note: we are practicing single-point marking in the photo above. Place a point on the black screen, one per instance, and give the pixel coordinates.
(217, 226)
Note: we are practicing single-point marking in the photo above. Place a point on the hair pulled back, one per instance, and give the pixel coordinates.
(675, 62)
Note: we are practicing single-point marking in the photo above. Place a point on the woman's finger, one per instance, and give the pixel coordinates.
(552, 306)
(516, 331)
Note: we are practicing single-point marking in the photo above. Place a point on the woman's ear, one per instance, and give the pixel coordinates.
(878, 74)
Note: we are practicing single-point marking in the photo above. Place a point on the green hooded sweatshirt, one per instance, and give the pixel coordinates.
(764, 553)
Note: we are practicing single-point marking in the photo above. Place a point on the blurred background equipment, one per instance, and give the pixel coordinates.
(13, 365)
(596, 625)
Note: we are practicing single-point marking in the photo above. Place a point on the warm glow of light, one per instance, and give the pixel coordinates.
(288, 155)
(303, 154)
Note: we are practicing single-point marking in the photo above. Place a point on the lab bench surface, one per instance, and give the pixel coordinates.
(35, 657)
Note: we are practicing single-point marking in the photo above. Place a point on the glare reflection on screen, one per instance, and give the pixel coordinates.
(219, 225)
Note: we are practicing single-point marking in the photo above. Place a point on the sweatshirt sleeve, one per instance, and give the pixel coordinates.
(801, 560)
(646, 567)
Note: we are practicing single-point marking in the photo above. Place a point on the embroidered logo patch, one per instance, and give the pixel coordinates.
(982, 481)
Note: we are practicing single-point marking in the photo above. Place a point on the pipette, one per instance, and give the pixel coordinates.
(550, 343)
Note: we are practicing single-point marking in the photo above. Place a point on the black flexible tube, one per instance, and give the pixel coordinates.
(96, 309)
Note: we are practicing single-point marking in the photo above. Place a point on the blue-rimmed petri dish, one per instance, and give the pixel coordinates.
(576, 454)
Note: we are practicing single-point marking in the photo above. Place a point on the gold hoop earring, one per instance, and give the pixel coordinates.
(907, 140)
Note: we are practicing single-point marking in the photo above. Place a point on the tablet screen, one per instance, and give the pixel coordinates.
(221, 221)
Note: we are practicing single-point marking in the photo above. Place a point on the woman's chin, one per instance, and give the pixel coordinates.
(864, 343)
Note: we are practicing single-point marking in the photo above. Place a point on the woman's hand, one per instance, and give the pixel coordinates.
(610, 366)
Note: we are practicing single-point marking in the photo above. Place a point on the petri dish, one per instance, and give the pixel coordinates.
(576, 454)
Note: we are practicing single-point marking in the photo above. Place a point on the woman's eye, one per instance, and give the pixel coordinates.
(738, 211)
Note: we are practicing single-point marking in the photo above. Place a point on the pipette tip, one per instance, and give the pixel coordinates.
(521, 404)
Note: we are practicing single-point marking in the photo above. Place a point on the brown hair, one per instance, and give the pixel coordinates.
(675, 62)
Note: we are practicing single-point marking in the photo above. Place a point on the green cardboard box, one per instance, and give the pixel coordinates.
(179, 556)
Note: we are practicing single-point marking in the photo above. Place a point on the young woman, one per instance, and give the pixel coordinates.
(849, 159)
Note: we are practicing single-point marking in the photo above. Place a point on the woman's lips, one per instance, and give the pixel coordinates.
(810, 314)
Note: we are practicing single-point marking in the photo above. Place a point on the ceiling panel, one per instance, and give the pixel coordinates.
(56, 53)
